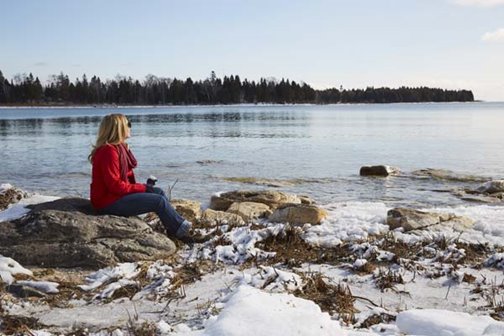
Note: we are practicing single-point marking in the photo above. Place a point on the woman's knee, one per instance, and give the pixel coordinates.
(159, 191)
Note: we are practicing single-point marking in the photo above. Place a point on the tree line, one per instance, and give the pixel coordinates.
(60, 90)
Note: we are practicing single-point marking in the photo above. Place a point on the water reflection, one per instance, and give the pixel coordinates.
(217, 117)
(45, 149)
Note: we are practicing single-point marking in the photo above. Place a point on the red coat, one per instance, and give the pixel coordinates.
(106, 184)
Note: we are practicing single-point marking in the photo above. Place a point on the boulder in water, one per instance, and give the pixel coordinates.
(492, 187)
(383, 171)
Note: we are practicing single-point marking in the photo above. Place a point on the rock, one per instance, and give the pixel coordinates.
(305, 199)
(491, 187)
(190, 210)
(378, 171)
(275, 183)
(64, 234)
(24, 291)
(249, 210)
(216, 218)
(10, 195)
(298, 214)
(482, 198)
(271, 198)
(443, 174)
(411, 219)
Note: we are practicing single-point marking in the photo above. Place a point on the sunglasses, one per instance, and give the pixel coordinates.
(129, 124)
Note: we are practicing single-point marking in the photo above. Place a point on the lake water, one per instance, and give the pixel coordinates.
(314, 150)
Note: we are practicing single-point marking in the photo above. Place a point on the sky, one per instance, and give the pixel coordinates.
(452, 44)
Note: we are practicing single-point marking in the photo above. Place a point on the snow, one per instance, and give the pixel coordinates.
(122, 274)
(242, 247)
(124, 270)
(252, 312)
(349, 221)
(271, 279)
(47, 287)
(19, 209)
(236, 298)
(5, 186)
(10, 267)
(355, 221)
(446, 323)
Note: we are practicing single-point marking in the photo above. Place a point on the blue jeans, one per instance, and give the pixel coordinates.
(140, 203)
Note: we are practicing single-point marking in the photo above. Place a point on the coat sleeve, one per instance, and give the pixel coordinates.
(111, 174)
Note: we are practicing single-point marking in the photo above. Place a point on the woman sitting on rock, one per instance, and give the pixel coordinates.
(114, 190)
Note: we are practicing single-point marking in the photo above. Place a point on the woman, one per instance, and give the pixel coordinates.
(114, 190)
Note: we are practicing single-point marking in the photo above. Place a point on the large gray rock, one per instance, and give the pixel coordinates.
(378, 171)
(411, 219)
(272, 199)
(298, 214)
(65, 233)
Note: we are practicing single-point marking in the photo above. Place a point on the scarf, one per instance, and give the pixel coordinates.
(127, 161)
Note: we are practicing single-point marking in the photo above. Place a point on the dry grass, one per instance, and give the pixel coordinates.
(401, 250)
(192, 272)
(367, 268)
(475, 254)
(388, 280)
(292, 250)
(67, 291)
(469, 278)
(142, 329)
(334, 299)
(18, 325)
(376, 319)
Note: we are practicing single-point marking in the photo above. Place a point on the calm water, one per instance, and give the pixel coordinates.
(322, 147)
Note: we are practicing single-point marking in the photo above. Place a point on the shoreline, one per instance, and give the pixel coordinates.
(95, 106)
(386, 275)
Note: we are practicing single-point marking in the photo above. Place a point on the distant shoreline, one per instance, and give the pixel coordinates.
(98, 106)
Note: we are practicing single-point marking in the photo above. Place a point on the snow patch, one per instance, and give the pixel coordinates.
(446, 323)
(252, 312)
(47, 287)
(10, 267)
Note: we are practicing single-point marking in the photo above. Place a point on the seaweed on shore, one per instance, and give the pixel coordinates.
(334, 299)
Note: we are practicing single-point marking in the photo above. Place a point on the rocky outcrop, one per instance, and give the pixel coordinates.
(65, 233)
(411, 219)
(272, 199)
(190, 210)
(276, 206)
(492, 187)
(488, 192)
(249, 210)
(448, 175)
(382, 171)
(212, 218)
(298, 214)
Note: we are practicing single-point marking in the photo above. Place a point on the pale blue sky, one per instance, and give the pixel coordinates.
(354, 43)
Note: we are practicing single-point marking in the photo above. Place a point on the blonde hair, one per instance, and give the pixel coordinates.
(113, 130)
